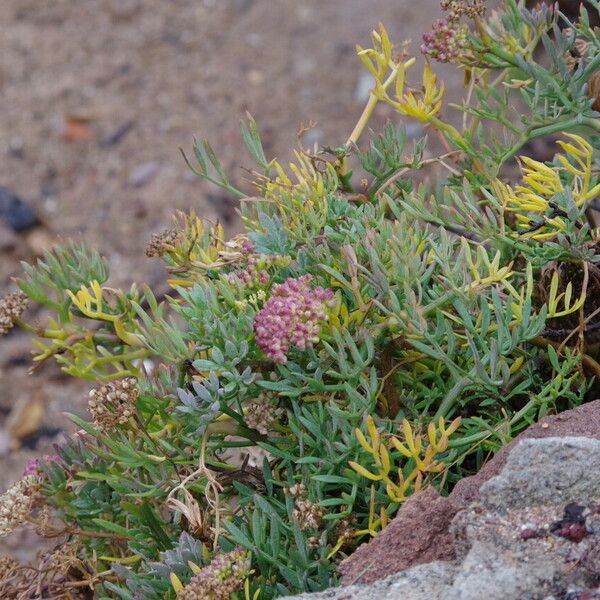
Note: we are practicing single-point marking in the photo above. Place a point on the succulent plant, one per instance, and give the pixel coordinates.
(366, 336)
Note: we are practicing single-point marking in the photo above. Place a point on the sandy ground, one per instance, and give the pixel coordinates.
(96, 98)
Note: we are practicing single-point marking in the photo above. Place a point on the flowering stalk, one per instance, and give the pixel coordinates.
(291, 317)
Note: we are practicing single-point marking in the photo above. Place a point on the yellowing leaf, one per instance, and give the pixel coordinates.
(362, 471)
(176, 583)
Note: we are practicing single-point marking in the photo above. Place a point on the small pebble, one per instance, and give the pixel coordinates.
(313, 136)
(15, 212)
(363, 88)
(144, 173)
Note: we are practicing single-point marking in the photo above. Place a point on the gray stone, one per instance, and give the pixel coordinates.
(423, 582)
(495, 561)
(545, 471)
(495, 574)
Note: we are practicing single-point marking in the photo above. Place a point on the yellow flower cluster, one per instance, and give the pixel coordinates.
(301, 196)
(92, 303)
(533, 202)
(420, 451)
(484, 271)
(421, 105)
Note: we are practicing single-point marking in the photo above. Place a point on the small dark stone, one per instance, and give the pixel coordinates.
(16, 213)
(31, 441)
(572, 526)
(242, 6)
(531, 534)
(574, 532)
(581, 595)
(574, 513)
(144, 173)
(117, 135)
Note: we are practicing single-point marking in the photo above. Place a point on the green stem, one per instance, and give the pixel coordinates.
(559, 126)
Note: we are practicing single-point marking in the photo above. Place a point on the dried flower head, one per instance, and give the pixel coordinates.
(17, 503)
(43, 522)
(296, 491)
(463, 8)
(579, 55)
(446, 41)
(12, 307)
(61, 559)
(163, 242)
(345, 529)
(308, 515)
(198, 518)
(12, 577)
(224, 576)
(291, 317)
(260, 414)
(7, 567)
(114, 402)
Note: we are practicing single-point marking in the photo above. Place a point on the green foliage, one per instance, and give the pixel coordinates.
(361, 340)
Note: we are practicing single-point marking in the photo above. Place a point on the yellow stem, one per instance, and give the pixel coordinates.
(372, 103)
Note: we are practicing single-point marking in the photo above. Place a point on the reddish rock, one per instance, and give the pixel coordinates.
(420, 532)
(583, 421)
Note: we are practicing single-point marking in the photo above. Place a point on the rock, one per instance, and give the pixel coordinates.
(365, 84)
(15, 212)
(117, 135)
(144, 173)
(424, 582)
(583, 421)
(8, 238)
(242, 6)
(545, 472)
(40, 240)
(533, 494)
(434, 514)
(314, 135)
(525, 539)
(420, 533)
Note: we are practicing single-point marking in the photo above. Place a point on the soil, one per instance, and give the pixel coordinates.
(97, 98)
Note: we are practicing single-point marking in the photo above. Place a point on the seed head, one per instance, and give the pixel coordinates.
(309, 515)
(113, 403)
(7, 567)
(17, 503)
(446, 41)
(12, 307)
(260, 414)
(463, 8)
(224, 576)
(163, 242)
(296, 491)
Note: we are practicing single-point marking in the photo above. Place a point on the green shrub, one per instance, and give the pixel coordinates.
(365, 337)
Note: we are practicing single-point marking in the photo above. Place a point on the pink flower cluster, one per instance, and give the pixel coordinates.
(33, 465)
(247, 247)
(291, 317)
(446, 41)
